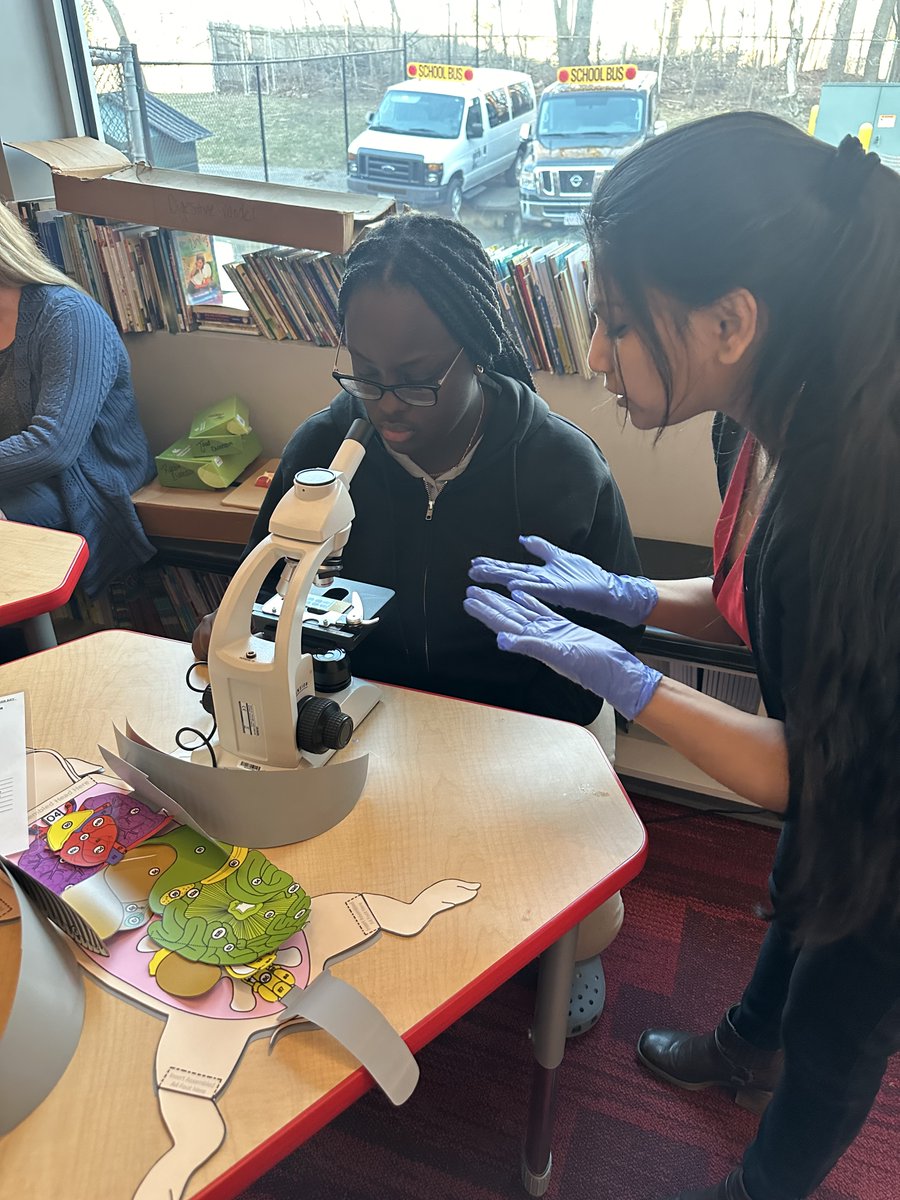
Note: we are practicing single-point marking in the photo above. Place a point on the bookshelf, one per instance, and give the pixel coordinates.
(152, 279)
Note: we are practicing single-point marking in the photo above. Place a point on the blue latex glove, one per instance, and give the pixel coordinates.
(525, 626)
(571, 581)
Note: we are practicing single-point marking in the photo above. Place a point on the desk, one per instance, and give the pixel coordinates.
(526, 806)
(40, 568)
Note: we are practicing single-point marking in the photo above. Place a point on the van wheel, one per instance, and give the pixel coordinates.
(454, 198)
(514, 170)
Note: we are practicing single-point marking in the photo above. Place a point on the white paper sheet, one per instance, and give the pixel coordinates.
(13, 780)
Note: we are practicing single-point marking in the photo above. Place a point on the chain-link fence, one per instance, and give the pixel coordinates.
(258, 109)
(121, 99)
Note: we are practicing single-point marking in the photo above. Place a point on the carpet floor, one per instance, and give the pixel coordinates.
(687, 946)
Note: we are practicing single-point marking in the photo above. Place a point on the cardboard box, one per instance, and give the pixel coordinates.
(96, 180)
(180, 466)
(225, 444)
(229, 416)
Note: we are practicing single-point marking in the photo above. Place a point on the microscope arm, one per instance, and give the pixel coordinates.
(256, 685)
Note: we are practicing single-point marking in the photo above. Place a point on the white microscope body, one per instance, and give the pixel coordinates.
(263, 693)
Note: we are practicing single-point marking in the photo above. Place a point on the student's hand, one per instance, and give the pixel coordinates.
(525, 626)
(570, 581)
(201, 636)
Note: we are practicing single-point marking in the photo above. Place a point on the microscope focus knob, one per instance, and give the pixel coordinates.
(322, 725)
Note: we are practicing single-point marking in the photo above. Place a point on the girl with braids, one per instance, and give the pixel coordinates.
(745, 267)
(467, 456)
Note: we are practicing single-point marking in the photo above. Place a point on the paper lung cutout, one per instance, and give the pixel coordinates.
(79, 837)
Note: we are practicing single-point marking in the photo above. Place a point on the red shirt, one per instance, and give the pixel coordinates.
(728, 582)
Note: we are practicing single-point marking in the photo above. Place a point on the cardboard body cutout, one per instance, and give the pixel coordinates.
(215, 939)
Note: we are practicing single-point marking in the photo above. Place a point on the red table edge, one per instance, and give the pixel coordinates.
(240, 1175)
(36, 606)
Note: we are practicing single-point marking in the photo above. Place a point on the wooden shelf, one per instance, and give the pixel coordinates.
(191, 514)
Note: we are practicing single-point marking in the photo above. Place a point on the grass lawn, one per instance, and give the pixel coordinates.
(301, 132)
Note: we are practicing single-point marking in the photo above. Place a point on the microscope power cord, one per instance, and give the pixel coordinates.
(203, 739)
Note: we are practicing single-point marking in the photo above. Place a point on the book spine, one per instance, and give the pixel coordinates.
(242, 287)
(280, 327)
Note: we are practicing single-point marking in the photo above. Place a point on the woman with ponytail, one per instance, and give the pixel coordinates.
(743, 267)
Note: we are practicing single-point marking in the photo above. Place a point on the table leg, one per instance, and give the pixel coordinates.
(39, 633)
(551, 1011)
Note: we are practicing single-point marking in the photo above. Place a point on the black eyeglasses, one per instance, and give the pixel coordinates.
(419, 395)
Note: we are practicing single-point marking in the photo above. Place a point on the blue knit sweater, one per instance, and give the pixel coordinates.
(82, 451)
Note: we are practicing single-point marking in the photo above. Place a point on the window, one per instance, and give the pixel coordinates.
(585, 114)
(497, 105)
(520, 98)
(426, 114)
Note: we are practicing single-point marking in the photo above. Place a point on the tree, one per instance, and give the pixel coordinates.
(795, 45)
(573, 29)
(840, 46)
(675, 13)
(879, 36)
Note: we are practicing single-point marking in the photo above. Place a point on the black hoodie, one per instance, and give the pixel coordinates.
(533, 472)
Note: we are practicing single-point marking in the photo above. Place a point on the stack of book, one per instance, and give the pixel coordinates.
(293, 294)
(158, 279)
(146, 278)
(165, 601)
(739, 689)
(544, 294)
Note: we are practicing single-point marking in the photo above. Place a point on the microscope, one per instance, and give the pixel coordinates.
(265, 694)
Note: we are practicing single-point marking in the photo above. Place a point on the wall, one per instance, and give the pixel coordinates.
(36, 92)
(669, 489)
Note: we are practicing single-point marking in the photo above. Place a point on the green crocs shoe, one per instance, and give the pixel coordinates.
(587, 997)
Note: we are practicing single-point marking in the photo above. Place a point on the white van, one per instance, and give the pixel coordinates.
(444, 132)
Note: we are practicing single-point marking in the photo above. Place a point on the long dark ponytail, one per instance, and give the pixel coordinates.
(448, 267)
(745, 200)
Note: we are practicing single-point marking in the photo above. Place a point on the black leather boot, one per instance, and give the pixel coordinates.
(721, 1058)
(731, 1188)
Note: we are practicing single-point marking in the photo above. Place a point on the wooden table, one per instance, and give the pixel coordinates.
(526, 806)
(39, 569)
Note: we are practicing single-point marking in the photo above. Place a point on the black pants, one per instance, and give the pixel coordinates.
(836, 1011)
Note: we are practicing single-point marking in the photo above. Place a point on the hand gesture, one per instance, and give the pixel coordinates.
(525, 626)
(571, 581)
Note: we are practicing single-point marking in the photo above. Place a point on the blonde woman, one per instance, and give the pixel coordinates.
(71, 447)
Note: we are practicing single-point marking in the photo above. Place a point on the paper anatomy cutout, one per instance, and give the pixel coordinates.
(47, 1016)
(261, 808)
(246, 956)
(218, 1012)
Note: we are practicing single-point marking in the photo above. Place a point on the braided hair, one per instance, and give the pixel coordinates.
(447, 266)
